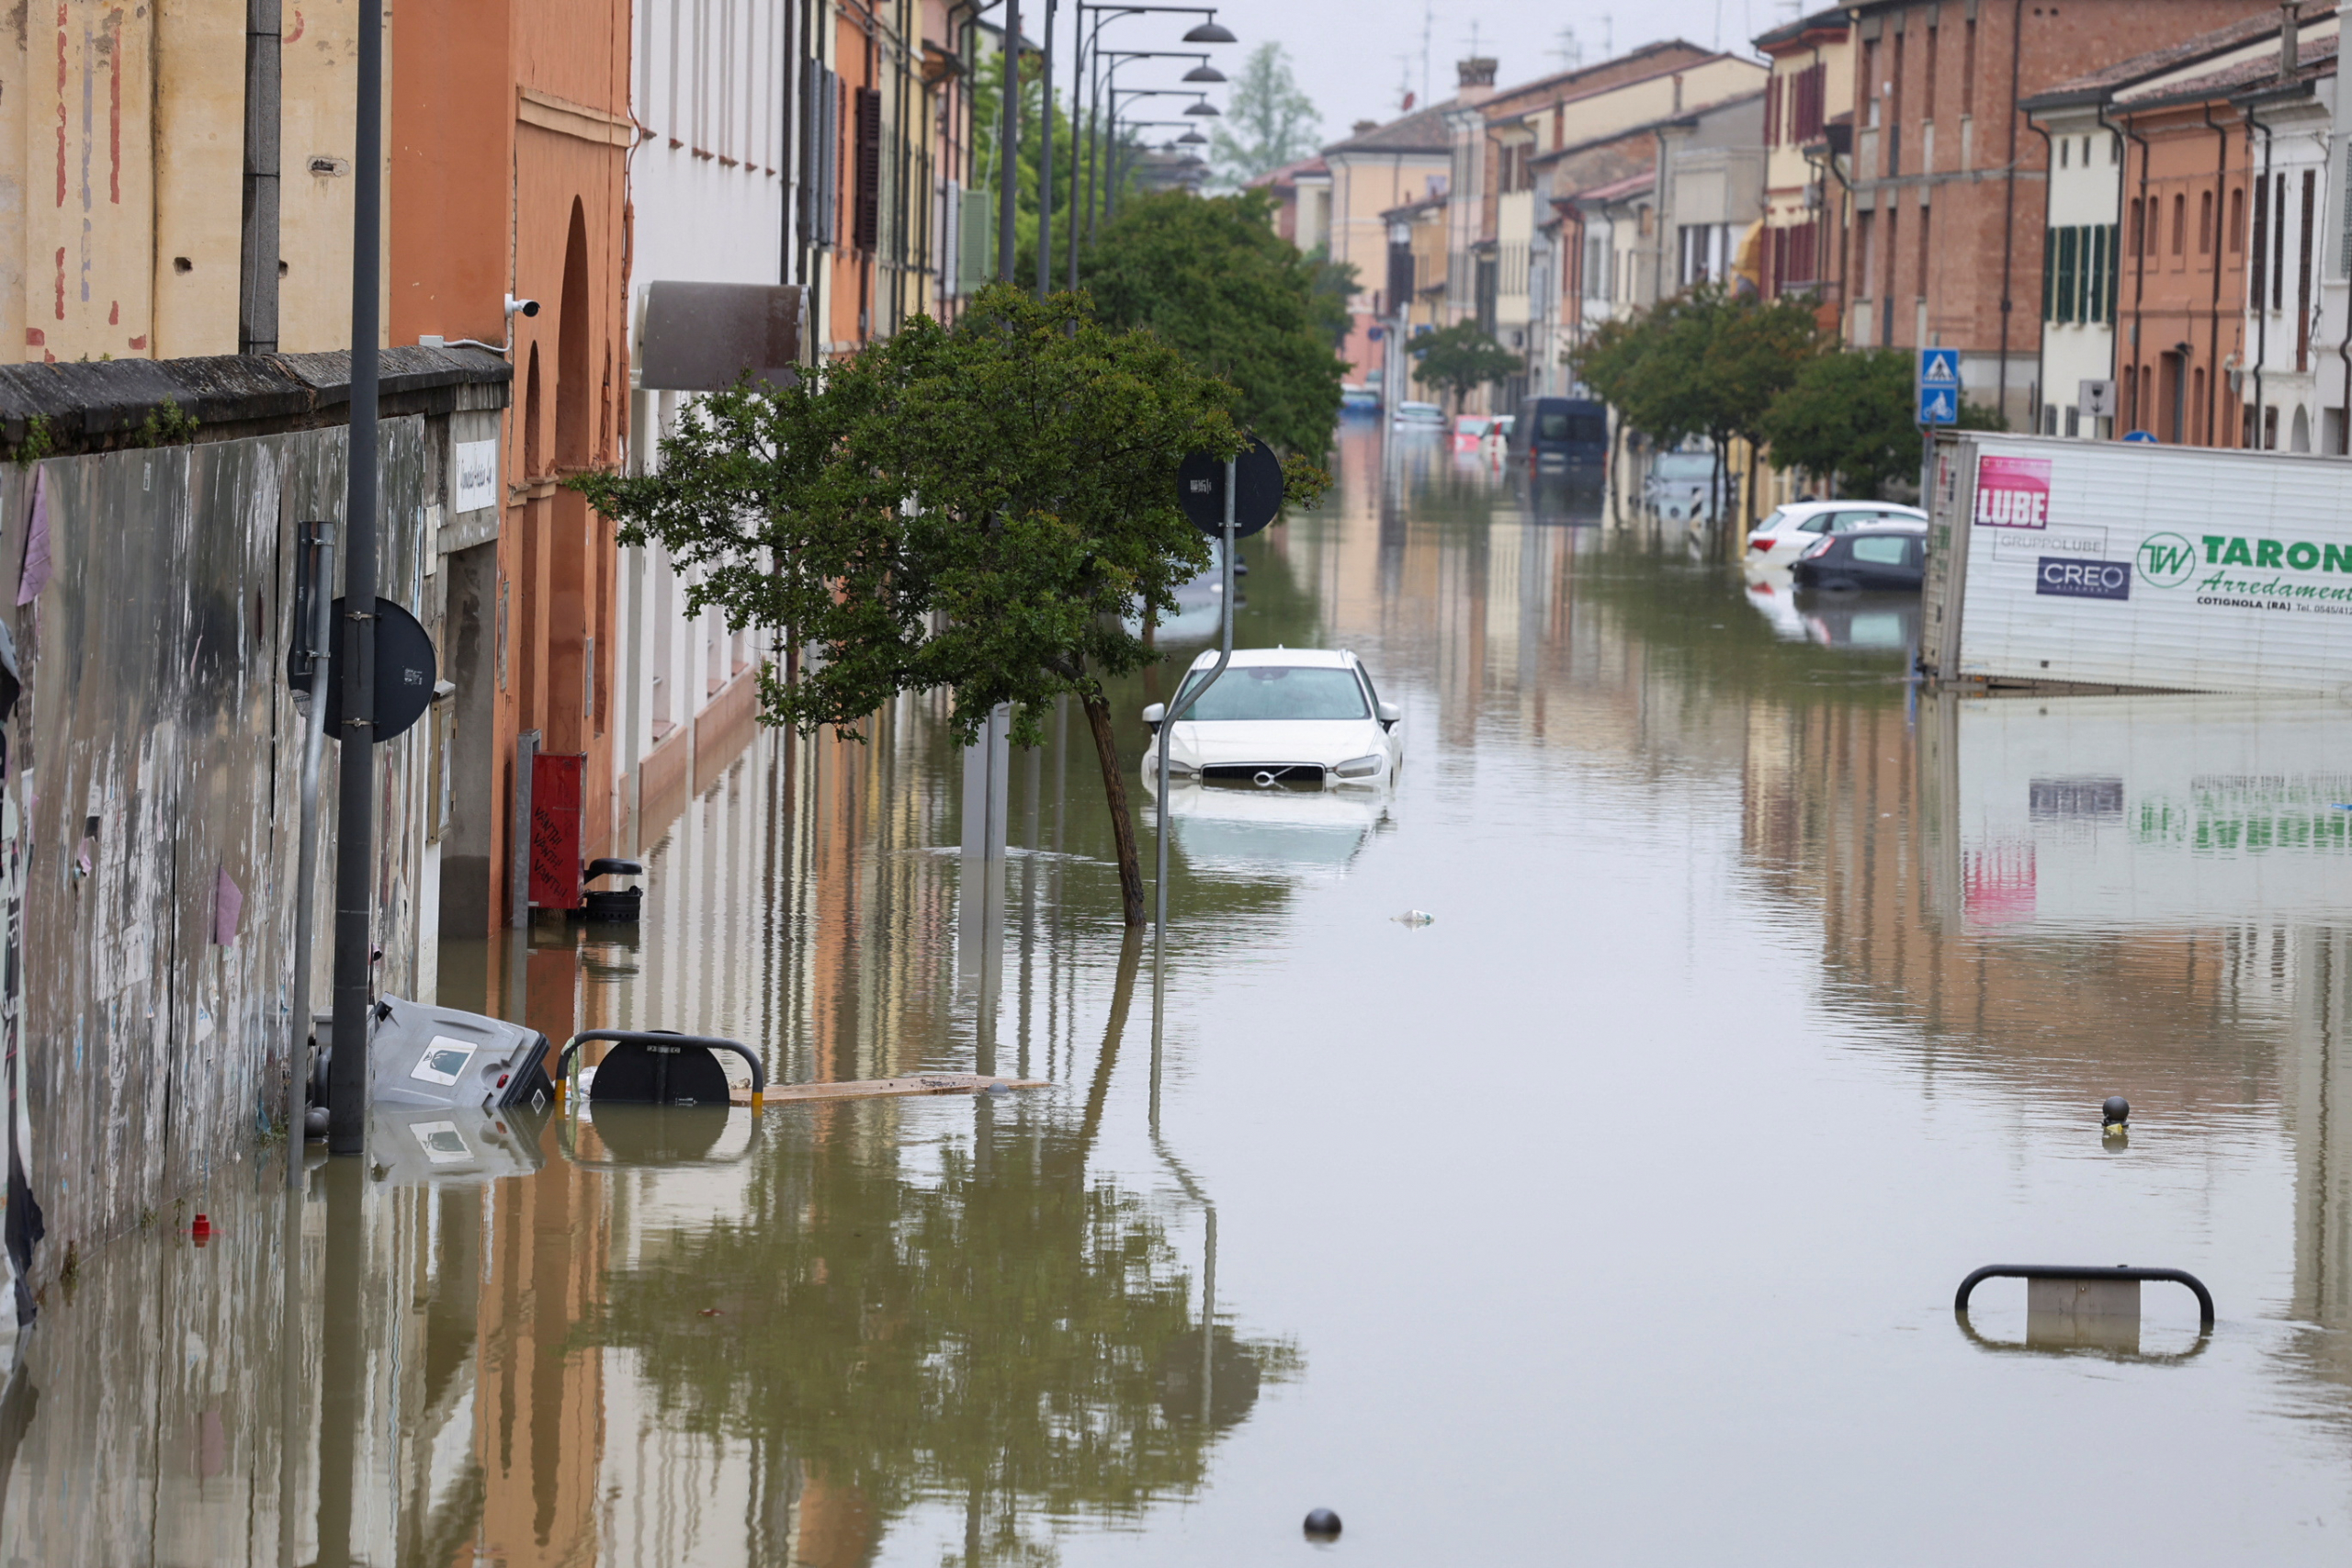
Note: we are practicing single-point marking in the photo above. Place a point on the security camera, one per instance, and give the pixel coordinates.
(528, 307)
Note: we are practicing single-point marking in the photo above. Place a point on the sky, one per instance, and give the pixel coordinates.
(1354, 58)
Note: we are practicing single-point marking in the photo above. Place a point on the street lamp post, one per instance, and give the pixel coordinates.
(1202, 73)
(1209, 30)
(1201, 107)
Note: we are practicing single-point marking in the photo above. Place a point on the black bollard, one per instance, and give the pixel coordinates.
(1322, 1525)
(2116, 1111)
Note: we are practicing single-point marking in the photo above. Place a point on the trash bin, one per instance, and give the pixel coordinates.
(422, 1056)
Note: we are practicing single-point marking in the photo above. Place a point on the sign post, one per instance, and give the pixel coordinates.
(1230, 500)
(1936, 400)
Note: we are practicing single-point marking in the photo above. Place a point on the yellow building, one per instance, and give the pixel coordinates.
(123, 184)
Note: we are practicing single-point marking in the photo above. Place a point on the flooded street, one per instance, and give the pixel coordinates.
(1614, 1214)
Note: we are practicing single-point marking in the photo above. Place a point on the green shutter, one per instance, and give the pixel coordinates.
(2069, 274)
(2050, 275)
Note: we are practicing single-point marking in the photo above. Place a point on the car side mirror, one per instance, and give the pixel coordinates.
(1153, 713)
(1389, 714)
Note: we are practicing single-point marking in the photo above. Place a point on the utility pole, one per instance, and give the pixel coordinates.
(355, 656)
(1046, 160)
(1008, 156)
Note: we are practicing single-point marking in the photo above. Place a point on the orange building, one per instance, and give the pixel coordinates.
(510, 135)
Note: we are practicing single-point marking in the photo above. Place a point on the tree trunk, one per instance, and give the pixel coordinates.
(1114, 789)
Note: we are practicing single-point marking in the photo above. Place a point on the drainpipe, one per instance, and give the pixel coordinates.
(2220, 218)
(2009, 207)
(257, 249)
(2042, 338)
(2261, 290)
(2139, 260)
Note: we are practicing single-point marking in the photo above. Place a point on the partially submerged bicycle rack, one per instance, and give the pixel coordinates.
(652, 1067)
(2080, 1306)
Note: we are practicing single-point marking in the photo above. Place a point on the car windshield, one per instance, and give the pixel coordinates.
(1278, 691)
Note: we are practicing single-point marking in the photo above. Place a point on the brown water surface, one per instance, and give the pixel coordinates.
(1614, 1214)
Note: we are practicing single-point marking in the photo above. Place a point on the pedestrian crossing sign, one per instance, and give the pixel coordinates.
(1938, 386)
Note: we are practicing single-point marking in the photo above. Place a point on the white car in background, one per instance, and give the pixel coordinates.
(1796, 528)
(1296, 715)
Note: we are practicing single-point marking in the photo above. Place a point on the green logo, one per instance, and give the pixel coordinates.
(2166, 560)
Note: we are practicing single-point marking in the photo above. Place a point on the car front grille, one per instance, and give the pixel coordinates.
(1264, 774)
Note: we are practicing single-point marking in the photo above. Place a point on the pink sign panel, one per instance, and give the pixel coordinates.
(2013, 492)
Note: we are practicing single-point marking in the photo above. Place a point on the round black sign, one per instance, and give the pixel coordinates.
(1257, 491)
(405, 672)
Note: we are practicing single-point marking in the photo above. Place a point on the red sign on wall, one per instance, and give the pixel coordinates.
(555, 830)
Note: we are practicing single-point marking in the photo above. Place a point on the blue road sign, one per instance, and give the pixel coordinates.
(1938, 386)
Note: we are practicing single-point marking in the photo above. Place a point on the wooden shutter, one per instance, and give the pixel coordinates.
(866, 216)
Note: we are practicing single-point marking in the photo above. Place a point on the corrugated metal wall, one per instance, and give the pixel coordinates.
(155, 740)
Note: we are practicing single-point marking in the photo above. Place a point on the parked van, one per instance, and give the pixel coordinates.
(1549, 430)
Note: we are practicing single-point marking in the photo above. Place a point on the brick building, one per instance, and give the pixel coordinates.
(1804, 207)
(2183, 260)
(1949, 180)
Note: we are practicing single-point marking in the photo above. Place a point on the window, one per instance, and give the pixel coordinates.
(2261, 243)
(2303, 271)
(1925, 249)
(2179, 223)
(2062, 148)
(2064, 272)
(1968, 67)
(1870, 82)
(2204, 222)
(2279, 247)
(2155, 216)
(2134, 229)
(1882, 550)
(1927, 106)
(1280, 692)
(2237, 220)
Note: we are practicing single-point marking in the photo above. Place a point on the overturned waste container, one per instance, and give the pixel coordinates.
(424, 1058)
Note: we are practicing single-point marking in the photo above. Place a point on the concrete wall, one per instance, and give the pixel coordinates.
(147, 816)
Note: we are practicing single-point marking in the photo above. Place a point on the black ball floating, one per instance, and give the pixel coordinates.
(2116, 1111)
(1322, 1524)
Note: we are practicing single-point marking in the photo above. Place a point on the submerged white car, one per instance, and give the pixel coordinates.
(1783, 538)
(1295, 715)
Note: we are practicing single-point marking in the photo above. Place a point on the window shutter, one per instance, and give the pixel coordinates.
(867, 210)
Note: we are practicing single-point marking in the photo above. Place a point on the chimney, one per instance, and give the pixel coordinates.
(2291, 43)
(1477, 79)
(1363, 127)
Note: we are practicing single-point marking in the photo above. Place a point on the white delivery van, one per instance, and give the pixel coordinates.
(2137, 566)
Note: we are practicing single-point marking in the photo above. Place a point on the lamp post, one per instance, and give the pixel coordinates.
(1200, 107)
(1206, 73)
(1209, 30)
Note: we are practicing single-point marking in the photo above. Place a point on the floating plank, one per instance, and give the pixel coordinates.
(875, 1089)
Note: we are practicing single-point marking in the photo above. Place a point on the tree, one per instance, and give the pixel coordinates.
(1268, 120)
(972, 507)
(1210, 276)
(1848, 417)
(1461, 357)
(1706, 362)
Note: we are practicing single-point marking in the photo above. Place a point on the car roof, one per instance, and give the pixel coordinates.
(1292, 658)
(1887, 525)
(1796, 509)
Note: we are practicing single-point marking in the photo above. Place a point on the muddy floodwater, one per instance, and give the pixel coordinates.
(1613, 1214)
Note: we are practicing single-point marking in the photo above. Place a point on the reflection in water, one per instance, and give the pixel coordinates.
(1406, 1221)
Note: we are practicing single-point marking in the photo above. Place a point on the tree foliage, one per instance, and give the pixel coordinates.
(973, 507)
(1268, 120)
(1708, 363)
(1850, 416)
(1209, 276)
(1461, 359)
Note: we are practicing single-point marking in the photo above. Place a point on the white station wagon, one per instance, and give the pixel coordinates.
(1281, 716)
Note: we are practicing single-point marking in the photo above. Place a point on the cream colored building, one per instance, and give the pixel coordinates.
(122, 185)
